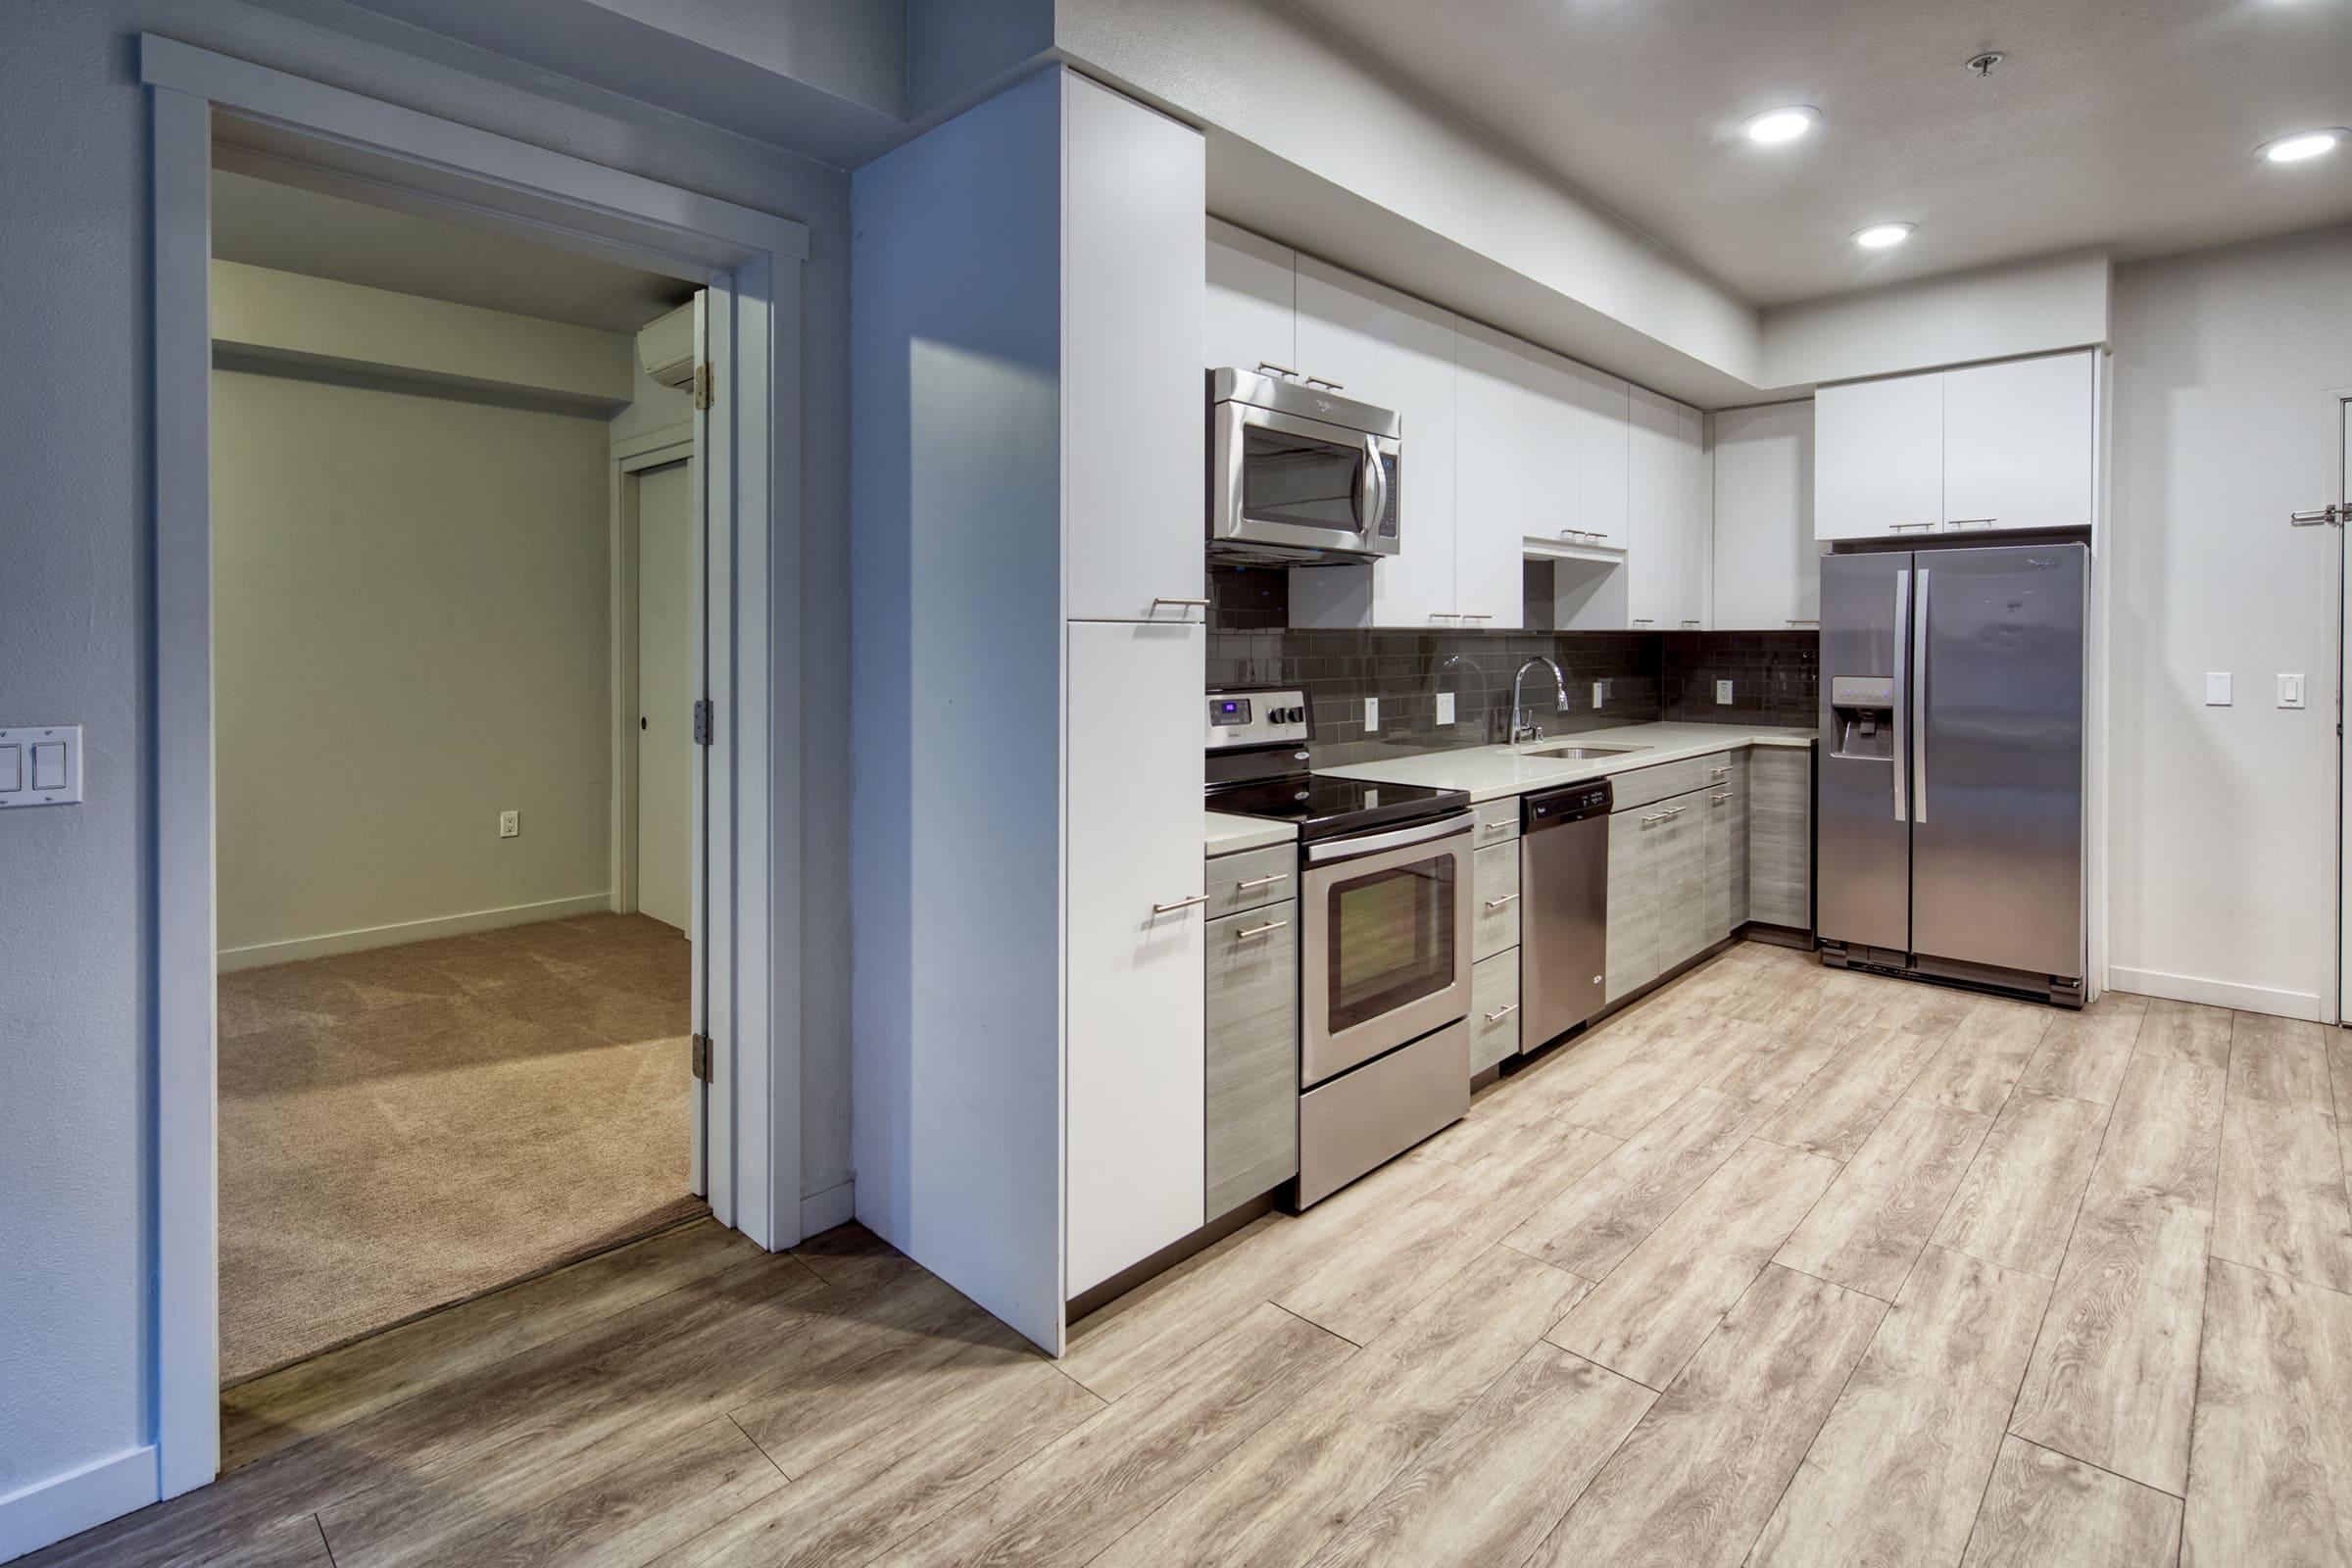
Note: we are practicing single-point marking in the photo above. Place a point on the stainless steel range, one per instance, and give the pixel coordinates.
(1385, 937)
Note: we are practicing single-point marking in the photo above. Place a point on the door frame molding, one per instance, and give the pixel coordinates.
(749, 262)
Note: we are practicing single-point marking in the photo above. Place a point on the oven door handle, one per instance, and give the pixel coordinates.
(1372, 844)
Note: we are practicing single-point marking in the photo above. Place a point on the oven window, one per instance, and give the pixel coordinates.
(1392, 940)
(1299, 479)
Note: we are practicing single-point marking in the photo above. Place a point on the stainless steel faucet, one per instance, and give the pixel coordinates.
(1523, 727)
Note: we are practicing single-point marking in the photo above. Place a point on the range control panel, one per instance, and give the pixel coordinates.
(1267, 717)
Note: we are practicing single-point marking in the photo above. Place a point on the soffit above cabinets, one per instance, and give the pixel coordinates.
(2131, 125)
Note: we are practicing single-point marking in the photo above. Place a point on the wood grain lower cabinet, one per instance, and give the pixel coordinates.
(1494, 1009)
(1495, 900)
(1659, 910)
(1723, 827)
(1780, 836)
(1253, 1051)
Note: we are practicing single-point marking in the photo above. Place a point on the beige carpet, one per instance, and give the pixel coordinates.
(410, 1126)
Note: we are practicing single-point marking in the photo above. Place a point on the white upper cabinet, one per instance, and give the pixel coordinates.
(1395, 352)
(1878, 458)
(1603, 422)
(1251, 301)
(1497, 475)
(1553, 416)
(2019, 443)
(1133, 417)
(1665, 558)
(1767, 565)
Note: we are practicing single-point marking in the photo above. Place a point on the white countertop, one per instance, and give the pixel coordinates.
(1228, 834)
(1490, 772)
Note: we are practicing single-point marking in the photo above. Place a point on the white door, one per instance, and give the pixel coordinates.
(1250, 305)
(1878, 458)
(1138, 945)
(666, 692)
(1134, 302)
(1656, 496)
(1692, 561)
(1767, 568)
(2018, 444)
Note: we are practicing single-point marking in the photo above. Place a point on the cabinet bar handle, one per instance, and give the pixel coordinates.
(1723, 772)
(1478, 615)
(1277, 369)
(1263, 881)
(1494, 827)
(1507, 898)
(1901, 527)
(1804, 621)
(1501, 1013)
(1659, 817)
(1690, 622)
(1645, 620)
(1719, 799)
(1180, 904)
(1186, 603)
(1260, 930)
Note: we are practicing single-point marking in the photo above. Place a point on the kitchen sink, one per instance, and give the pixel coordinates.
(1581, 754)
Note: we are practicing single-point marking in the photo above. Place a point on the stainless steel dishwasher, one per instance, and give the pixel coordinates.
(1563, 908)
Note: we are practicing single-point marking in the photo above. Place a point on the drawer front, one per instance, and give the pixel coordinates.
(1641, 786)
(1494, 1009)
(1367, 1117)
(1494, 904)
(1252, 878)
(1497, 821)
(1253, 1054)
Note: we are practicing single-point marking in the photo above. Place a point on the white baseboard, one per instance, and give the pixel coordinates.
(2215, 993)
(835, 1206)
(393, 936)
(32, 1517)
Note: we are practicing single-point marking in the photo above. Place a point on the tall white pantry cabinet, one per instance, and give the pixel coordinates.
(1027, 457)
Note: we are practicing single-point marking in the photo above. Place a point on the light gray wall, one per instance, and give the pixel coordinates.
(2223, 819)
(1989, 314)
(412, 633)
(76, 987)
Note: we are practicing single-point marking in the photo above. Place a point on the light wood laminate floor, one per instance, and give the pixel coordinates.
(1782, 1265)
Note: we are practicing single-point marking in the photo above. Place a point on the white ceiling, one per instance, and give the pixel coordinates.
(2128, 124)
(295, 229)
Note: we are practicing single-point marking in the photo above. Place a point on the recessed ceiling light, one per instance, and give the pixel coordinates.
(1878, 236)
(1782, 124)
(2304, 144)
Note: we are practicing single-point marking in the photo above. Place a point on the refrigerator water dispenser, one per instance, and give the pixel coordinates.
(1864, 710)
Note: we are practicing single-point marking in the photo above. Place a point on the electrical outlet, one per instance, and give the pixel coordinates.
(2217, 689)
(2290, 691)
(1600, 694)
(509, 825)
(1723, 693)
(1445, 708)
(1371, 714)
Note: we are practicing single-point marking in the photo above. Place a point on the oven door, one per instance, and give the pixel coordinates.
(1286, 482)
(1385, 943)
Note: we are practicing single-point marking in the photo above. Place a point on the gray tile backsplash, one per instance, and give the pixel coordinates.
(1647, 675)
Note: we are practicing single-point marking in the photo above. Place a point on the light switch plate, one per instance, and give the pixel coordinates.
(2216, 688)
(1723, 692)
(1445, 708)
(1601, 693)
(1371, 714)
(2290, 691)
(40, 764)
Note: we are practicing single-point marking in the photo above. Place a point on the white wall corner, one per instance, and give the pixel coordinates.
(32, 1517)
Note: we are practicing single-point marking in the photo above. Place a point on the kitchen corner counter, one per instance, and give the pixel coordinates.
(1227, 834)
(1491, 773)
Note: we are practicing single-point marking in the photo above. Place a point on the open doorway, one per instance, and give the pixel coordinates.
(460, 607)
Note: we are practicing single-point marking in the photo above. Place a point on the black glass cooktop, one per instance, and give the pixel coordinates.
(1320, 805)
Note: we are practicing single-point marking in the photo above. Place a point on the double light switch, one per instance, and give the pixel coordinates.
(41, 766)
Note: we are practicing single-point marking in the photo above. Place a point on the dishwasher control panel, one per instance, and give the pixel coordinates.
(1570, 804)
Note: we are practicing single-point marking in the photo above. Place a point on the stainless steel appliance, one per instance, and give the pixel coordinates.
(1299, 475)
(1385, 936)
(1951, 830)
(1563, 908)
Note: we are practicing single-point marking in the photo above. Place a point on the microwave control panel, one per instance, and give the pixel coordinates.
(1267, 717)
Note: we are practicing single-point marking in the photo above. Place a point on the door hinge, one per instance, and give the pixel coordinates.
(703, 395)
(705, 721)
(700, 1065)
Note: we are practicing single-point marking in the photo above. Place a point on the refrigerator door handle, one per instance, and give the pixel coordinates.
(1903, 684)
(1919, 706)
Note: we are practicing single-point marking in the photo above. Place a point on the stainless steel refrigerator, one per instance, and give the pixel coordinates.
(1951, 829)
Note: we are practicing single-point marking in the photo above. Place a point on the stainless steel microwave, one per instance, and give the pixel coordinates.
(1299, 475)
